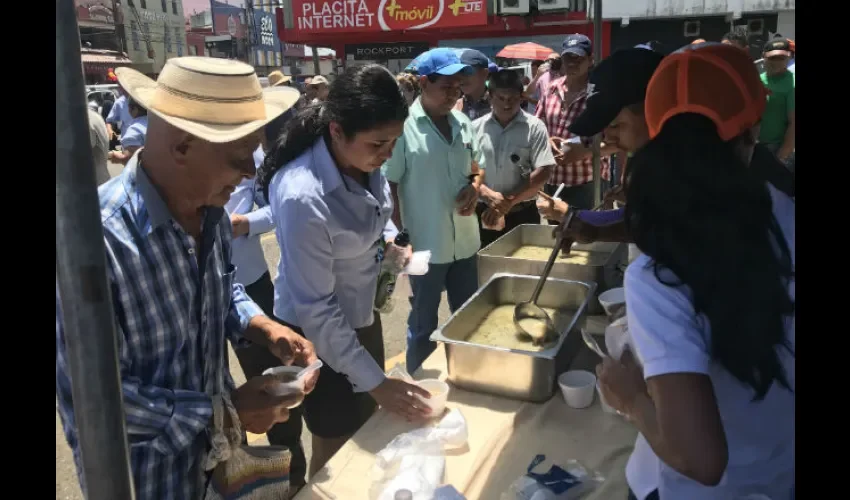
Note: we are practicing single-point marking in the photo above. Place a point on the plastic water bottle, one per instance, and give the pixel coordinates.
(403, 495)
(390, 270)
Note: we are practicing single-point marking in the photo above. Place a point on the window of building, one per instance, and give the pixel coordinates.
(144, 4)
(174, 7)
(179, 39)
(164, 4)
(167, 37)
(193, 50)
(134, 34)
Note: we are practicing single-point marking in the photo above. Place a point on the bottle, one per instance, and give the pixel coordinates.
(403, 495)
(390, 270)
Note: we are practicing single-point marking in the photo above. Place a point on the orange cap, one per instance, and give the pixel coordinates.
(715, 80)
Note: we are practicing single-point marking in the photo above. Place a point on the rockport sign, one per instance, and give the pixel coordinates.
(384, 51)
(357, 16)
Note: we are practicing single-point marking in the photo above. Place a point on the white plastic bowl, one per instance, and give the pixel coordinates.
(439, 395)
(578, 387)
(286, 388)
(612, 299)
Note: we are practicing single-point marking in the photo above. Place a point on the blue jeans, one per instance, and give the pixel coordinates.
(460, 280)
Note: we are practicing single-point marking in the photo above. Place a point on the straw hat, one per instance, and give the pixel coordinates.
(277, 78)
(217, 100)
(319, 80)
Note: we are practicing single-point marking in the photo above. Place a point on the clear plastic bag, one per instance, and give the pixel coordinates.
(418, 264)
(415, 461)
(559, 483)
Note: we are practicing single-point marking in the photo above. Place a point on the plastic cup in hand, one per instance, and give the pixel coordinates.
(605, 407)
(578, 387)
(291, 379)
(439, 391)
(613, 301)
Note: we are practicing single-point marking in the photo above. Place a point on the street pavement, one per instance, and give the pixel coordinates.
(394, 324)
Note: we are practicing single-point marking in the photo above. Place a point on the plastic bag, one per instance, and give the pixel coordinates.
(567, 483)
(418, 264)
(415, 461)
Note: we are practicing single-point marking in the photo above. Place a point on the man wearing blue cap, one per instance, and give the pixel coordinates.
(435, 174)
(559, 106)
(475, 102)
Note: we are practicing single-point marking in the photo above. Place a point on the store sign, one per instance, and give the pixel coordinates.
(363, 16)
(95, 12)
(266, 31)
(384, 51)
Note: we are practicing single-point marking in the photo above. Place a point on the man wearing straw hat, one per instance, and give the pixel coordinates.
(168, 251)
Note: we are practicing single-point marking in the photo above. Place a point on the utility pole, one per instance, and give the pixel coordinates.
(120, 32)
(597, 139)
(317, 68)
(91, 342)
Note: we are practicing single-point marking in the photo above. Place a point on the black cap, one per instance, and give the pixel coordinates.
(777, 46)
(577, 44)
(617, 82)
(474, 58)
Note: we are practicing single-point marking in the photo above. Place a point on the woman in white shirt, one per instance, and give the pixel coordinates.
(711, 299)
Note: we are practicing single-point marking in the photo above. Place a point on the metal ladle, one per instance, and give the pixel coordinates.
(529, 313)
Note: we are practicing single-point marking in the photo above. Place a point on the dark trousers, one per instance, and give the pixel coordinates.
(580, 196)
(460, 281)
(254, 360)
(526, 214)
(651, 496)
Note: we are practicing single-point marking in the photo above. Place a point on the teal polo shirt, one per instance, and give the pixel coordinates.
(430, 172)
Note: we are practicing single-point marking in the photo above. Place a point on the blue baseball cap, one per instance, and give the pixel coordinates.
(577, 44)
(441, 61)
(474, 58)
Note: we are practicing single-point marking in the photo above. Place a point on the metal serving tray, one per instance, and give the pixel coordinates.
(511, 373)
(495, 258)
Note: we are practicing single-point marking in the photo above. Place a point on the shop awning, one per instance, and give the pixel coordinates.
(105, 57)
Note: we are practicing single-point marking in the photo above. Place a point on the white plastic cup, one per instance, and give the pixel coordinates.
(439, 391)
(578, 387)
(612, 299)
(288, 383)
(603, 403)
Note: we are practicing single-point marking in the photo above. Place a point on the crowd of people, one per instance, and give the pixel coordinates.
(449, 152)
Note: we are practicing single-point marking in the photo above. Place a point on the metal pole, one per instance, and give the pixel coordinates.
(317, 69)
(90, 338)
(597, 57)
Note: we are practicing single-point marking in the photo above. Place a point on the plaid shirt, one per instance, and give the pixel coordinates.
(475, 109)
(171, 333)
(558, 115)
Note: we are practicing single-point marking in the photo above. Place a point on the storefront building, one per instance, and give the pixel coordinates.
(392, 32)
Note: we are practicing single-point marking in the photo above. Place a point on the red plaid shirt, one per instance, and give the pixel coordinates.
(558, 115)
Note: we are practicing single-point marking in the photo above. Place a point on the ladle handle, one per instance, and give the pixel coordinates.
(554, 255)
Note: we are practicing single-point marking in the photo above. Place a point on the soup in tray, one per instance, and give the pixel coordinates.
(540, 253)
(498, 330)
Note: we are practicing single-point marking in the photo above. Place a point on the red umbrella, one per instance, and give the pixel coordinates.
(527, 50)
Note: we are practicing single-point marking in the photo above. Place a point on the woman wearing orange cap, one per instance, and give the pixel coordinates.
(710, 302)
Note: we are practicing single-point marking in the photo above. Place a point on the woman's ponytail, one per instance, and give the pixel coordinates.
(298, 135)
